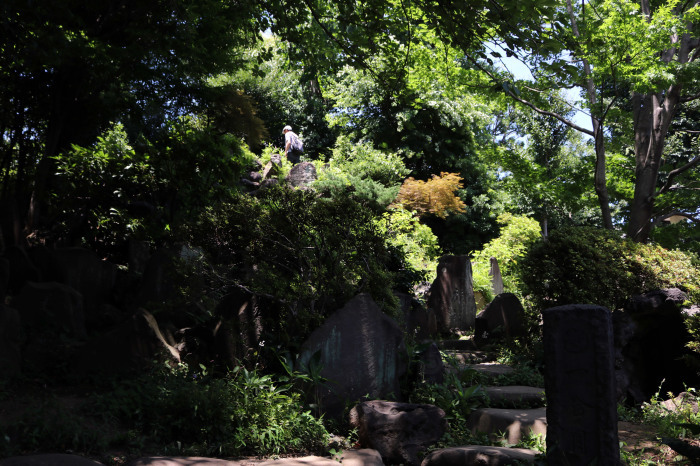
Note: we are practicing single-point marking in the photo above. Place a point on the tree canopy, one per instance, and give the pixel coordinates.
(425, 81)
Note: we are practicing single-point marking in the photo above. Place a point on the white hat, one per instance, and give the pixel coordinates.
(286, 128)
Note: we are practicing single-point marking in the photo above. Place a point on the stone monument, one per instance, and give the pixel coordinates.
(580, 386)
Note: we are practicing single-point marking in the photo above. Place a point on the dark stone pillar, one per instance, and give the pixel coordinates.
(580, 386)
(451, 296)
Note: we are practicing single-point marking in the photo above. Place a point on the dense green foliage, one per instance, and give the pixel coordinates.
(139, 190)
(311, 253)
(192, 413)
(589, 266)
(178, 411)
(517, 235)
(360, 171)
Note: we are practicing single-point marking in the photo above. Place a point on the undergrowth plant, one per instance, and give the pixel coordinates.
(681, 422)
(190, 412)
(49, 426)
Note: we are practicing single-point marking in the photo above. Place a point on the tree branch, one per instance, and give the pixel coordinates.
(674, 173)
(517, 98)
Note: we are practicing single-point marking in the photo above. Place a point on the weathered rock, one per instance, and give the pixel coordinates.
(361, 353)
(129, 347)
(50, 459)
(419, 321)
(512, 424)
(91, 276)
(683, 402)
(4, 278)
(272, 168)
(139, 254)
(301, 174)
(491, 370)
(580, 386)
(10, 343)
(650, 344)
(53, 306)
(239, 327)
(496, 277)
(503, 317)
(159, 278)
(451, 296)
(431, 369)
(21, 269)
(398, 431)
(515, 396)
(480, 455)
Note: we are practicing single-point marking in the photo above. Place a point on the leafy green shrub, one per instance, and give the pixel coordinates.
(591, 266)
(371, 176)
(677, 423)
(115, 190)
(516, 235)
(458, 401)
(50, 427)
(311, 254)
(419, 245)
(193, 413)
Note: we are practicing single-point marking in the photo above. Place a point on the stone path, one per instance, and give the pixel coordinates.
(516, 412)
(364, 457)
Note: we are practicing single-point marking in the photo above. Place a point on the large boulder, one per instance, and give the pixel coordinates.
(419, 321)
(451, 296)
(10, 341)
(51, 306)
(650, 345)
(21, 269)
(480, 455)
(361, 352)
(87, 273)
(301, 174)
(503, 317)
(4, 277)
(128, 347)
(158, 283)
(398, 431)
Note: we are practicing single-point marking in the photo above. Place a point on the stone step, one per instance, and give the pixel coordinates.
(479, 454)
(516, 396)
(468, 357)
(460, 345)
(509, 424)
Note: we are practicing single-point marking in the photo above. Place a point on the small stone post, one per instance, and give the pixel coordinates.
(496, 278)
(580, 386)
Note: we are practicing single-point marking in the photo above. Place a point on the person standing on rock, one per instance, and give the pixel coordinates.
(293, 147)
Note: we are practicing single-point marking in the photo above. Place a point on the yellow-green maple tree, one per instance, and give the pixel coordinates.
(435, 196)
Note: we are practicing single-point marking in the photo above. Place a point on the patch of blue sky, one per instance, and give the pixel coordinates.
(520, 70)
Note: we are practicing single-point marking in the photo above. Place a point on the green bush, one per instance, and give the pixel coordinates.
(50, 426)
(115, 190)
(311, 254)
(584, 265)
(191, 412)
(516, 235)
(358, 170)
(418, 244)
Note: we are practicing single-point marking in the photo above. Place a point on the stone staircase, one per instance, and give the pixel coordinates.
(514, 412)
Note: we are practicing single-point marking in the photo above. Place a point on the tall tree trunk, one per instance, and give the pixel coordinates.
(653, 114)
